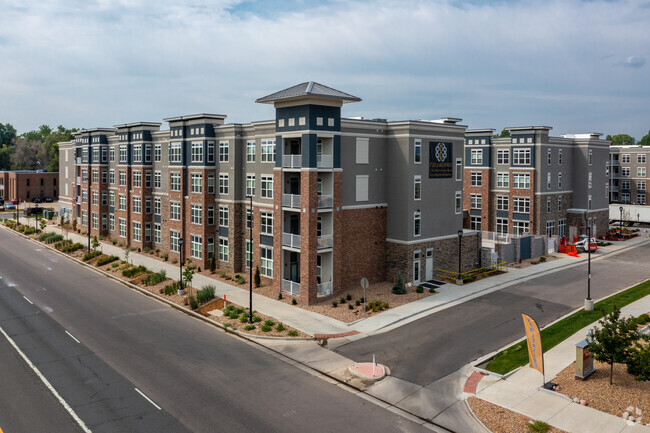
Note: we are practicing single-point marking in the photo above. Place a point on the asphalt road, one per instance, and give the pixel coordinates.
(430, 348)
(203, 379)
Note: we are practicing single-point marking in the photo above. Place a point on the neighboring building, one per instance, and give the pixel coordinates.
(628, 174)
(534, 183)
(26, 185)
(333, 199)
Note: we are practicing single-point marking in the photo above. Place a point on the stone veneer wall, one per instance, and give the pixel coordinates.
(576, 219)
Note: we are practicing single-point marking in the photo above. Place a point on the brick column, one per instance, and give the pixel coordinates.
(308, 235)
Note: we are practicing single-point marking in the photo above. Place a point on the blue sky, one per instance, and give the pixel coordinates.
(578, 66)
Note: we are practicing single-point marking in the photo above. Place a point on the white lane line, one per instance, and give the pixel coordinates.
(148, 399)
(72, 336)
(28, 300)
(46, 382)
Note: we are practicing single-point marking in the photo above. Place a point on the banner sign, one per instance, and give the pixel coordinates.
(535, 350)
(440, 165)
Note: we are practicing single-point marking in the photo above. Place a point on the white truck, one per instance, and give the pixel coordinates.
(629, 213)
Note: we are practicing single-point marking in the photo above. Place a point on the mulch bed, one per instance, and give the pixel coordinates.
(500, 420)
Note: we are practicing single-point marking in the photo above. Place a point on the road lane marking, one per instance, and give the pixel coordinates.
(148, 399)
(72, 336)
(30, 303)
(47, 384)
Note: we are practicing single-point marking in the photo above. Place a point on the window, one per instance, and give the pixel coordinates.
(111, 154)
(224, 216)
(95, 176)
(417, 219)
(249, 250)
(640, 158)
(625, 171)
(267, 187)
(591, 152)
(475, 222)
(157, 179)
(589, 180)
(503, 156)
(503, 180)
(417, 151)
(174, 181)
(137, 205)
(95, 198)
(362, 150)
(268, 150)
(210, 151)
(475, 201)
(561, 227)
(210, 183)
(640, 185)
(249, 218)
(589, 202)
(175, 210)
(458, 202)
(157, 233)
(625, 184)
(197, 151)
(266, 223)
(84, 176)
(223, 249)
(111, 176)
(625, 197)
(503, 202)
(210, 215)
(625, 159)
(417, 188)
(640, 171)
(111, 222)
(477, 156)
(250, 185)
(137, 179)
(137, 153)
(521, 157)
(104, 198)
(196, 213)
(157, 153)
(157, 205)
(175, 152)
(521, 180)
(559, 204)
(520, 227)
(550, 228)
(548, 205)
(111, 198)
(122, 202)
(548, 157)
(459, 169)
(502, 226)
(250, 151)
(122, 178)
(640, 199)
(197, 183)
(123, 227)
(196, 246)
(174, 236)
(137, 231)
(223, 151)
(147, 179)
(559, 156)
(84, 217)
(147, 205)
(521, 204)
(223, 183)
(123, 154)
(95, 219)
(147, 153)
(548, 180)
(266, 256)
(476, 178)
(84, 196)
(559, 180)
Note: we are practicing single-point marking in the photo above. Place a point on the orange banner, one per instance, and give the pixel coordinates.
(535, 350)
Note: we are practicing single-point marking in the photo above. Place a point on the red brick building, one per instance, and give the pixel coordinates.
(27, 185)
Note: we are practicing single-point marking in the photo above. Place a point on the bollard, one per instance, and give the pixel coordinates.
(224, 301)
(373, 365)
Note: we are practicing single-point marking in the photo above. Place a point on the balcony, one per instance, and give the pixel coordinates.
(291, 240)
(291, 200)
(291, 161)
(324, 289)
(325, 241)
(325, 161)
(291, 287)
(325, 201)
(78, 180)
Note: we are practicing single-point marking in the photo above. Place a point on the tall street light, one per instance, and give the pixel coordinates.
(460, 237)
(620, 230)
(181, 291)
(589, 303)
(250, 266)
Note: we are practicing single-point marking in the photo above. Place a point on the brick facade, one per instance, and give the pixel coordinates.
(27, 185)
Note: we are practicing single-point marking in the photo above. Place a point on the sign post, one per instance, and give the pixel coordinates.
(364, 285)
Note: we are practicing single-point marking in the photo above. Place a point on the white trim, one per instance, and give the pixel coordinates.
(554, 192)
(466, 232)
(573, 210)
(365, 206)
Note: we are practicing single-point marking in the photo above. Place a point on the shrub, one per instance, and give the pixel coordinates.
(155, 278)
(350, 307)
(280, 295)
(222, 274)
(172, 288)
(432, 290)
(538, 427)
(265, 328)
(377, 305)
(194, 304)
(294, 302)
(470, 278)
(335, 304)
(213, 263)
(348, 297)
(91, 255)
(293, 333)
(249, 327)
(50, 238)
(357, 303)
(643, 319)
(165, 256)
(115, 265)
(72, 247)
(269, 322)
(257, 319)
(113, 241)
(258, 279)
(135, 271)
(342, 300)
(244, 317)
(205, 294)
(106, 260)
(280, 327)
(542, 259)
(419, 289)
(399, 288)
(239, 279)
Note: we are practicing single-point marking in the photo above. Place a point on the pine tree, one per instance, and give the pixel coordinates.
(258, 280)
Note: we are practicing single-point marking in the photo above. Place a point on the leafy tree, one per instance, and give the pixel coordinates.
(504, 133)
(39, 135)
(639, 363)
(43, 224)
(5, 157)
(95, 243)
(613, 341)
(623, 140)
(7, 133)
(188, 276)
(28, 155)
(608, 137)
(645, 141)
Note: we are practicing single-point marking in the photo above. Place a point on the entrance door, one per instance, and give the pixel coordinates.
(416, 268)
(429, 265)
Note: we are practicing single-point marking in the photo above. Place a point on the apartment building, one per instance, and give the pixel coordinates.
(26, 185)
(628, 174)
(534, 183)
(329, 200)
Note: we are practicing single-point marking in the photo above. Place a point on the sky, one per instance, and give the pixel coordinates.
(578, 66)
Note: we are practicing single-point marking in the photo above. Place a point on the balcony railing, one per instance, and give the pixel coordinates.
(291, 161)
(291, 200)
(324, 289)
(324, 161)
(291, 240)
(325, 201)
(325, 241)
(291, 287)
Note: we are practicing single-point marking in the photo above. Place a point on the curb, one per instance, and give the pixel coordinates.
(469, 408)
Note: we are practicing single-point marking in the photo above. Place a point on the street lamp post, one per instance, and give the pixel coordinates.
(250, 267)
(589, 303)
(620, 230)
(181, 291)
(460, 237)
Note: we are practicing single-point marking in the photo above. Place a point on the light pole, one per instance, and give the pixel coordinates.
(620, 230)
(250, 267)
(181, 291)
(589, 303)
(460, 237)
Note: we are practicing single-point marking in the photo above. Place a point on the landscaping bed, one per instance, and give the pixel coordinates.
(500, 420)
(531, 262)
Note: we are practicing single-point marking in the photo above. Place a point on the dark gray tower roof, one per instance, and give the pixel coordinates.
(308, 89)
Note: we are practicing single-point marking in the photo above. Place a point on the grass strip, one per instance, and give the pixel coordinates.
(517, 354)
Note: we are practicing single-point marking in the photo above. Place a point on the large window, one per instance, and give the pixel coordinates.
(267, 187)
(197, 151)
(548, 180)
(458, 202)
(210, 151)
(503, 180)
(174, 236)
(157, 233)
(417, 187)
(137, 153)
(502, 226)
(137, 179)
(123, 154)
(503, 156)
(224, 216)
(521, 157)
(197, 183)
(137, 231)
(561, 227)
(250, 185)
(223, 249)
(122, 202)
(520, 227)
(417, 151)
(175, 152)
(174, 181)
(266, 256)
(122, 178)
(475, 222)
(224, 150)
(476, 178)
(250, 151)
(157, 153)
(157, 179)
(559, 180)
(521, 180)
(147, 179)
(196, 246)
(157, 205)
(123, 227)
(550, 228)
(502, 202)
(249, 250)
(640, 185)
(559, 156)
(475, 201)
(625, 171)
(640, 171)
(137, 205)
(210, 183)
(175, 210)
(521, 204)
(95, 175)
(111, 222)
(459, 169)
(477, 156)
(549, 156)
(640, 158)
(268, 150)
(417, 226)
(111, 176)
(266, 223)
(111, 154)
(625, 159)
(196, 213)
(559, 203)
(95, 198)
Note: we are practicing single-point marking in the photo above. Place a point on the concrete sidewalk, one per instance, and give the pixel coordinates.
(521, 391)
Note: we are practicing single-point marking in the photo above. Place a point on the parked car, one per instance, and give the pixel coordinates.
(48, 200)
(36, 200)
(15, 201)
(2, 201)
(33, 211)
(9, 205)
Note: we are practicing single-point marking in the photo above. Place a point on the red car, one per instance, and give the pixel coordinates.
(14, 201)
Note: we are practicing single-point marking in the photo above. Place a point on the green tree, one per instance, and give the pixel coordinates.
(5, 156)
(188, 276)
(399, 288)
(95, 243)
(43, 224)
(257, 278)
(7, 133)
(213, 263)
(37, 135)
(645, 141)
(504, 133)
(639, 363)
(613, 342)
(623, 140)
